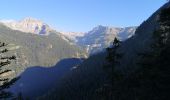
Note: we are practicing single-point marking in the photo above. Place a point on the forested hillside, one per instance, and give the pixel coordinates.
(37, 50)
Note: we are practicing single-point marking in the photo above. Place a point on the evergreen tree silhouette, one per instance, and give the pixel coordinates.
(5, 61)
(112, 60)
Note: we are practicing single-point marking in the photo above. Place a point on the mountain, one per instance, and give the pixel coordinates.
(90, 80)
(102, 37)
(37, 50)
(73, 35)
(28, 25)
(93, 41)
(99, 37)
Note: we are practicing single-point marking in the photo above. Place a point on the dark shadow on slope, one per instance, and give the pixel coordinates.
(81, 83)
(37, 80)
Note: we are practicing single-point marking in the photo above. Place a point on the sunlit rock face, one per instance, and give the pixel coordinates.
(101, 37)
(28, 25)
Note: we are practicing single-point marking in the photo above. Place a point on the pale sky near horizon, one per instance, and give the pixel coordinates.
(81, 15)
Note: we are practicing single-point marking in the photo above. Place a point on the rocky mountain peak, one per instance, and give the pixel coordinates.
(28, 25)
(30, 19)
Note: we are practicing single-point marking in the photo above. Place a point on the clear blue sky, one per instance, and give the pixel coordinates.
(81, 15)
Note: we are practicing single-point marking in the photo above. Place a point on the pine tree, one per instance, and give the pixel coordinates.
(112, 60)
(112, 56)
(5, 61)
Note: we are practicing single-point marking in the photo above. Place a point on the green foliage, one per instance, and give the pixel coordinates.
(5, 82)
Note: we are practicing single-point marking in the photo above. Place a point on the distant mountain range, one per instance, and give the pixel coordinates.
(35, 43)
(93, 41)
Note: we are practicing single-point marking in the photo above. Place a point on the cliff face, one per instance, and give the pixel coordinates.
(102, 37)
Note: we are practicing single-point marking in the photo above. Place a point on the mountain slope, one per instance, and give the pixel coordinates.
(80, 83)
(86, 80)
(37, 50)
(30, 83)
(140, 42)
